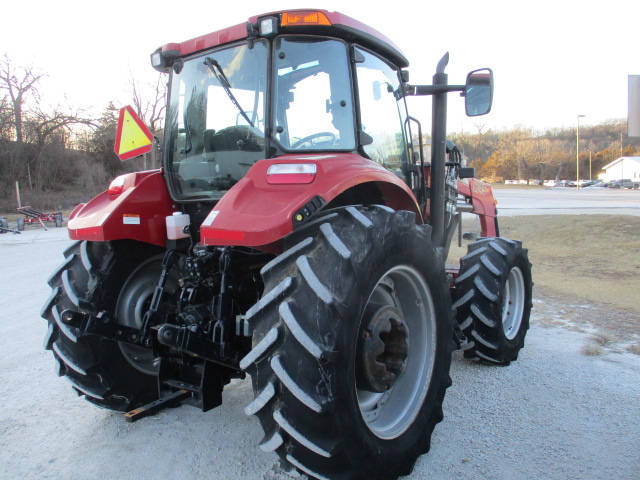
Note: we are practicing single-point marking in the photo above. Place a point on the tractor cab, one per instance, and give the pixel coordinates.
(297, 83)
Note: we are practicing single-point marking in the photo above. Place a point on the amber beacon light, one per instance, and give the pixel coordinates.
(306, 17)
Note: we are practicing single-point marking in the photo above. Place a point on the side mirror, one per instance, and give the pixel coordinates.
(478, 92)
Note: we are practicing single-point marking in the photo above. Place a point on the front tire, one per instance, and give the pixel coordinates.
(352, 346)
(95, 277)
(494, 291)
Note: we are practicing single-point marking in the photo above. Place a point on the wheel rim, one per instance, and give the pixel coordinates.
(388, 414)
(513, 303)
(133, 301)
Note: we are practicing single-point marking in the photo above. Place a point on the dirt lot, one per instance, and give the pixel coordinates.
(559, 412)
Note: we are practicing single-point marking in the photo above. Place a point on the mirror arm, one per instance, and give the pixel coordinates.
(432, 89)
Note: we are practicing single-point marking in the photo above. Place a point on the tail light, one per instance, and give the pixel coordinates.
(291, 173)
(117, 185)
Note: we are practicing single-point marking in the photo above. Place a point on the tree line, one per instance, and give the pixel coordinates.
(61, 155)
(523, 153)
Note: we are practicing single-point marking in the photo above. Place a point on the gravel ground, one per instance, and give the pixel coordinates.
(554, 414)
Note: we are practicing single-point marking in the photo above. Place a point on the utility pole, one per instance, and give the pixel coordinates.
(621, 159)
(621, 145)
(578, 153)
(18, 194)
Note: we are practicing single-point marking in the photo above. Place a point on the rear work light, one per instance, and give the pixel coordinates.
(304, 17)
(117, 185)
(163, 59)
(291, 173)
(268, 26)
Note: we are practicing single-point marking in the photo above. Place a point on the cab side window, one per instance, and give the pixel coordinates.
(381, 112)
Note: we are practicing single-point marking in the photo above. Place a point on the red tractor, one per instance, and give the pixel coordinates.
(297, 233)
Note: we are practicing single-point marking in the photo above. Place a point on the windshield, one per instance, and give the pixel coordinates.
(313, 105)
(217, 109)
(216, 120)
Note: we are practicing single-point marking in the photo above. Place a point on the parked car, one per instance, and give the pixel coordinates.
(595, 183)
(624, 183)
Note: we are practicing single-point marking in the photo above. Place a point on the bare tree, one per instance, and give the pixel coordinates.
(6, 118)
(46, 129)
(18, 82)
(149, 101)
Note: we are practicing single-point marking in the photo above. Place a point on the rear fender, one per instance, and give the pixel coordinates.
(258, 214)
(138, 213)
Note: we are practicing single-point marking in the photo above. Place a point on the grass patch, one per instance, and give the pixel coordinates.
(592, 350)
(603, 339)
(589, 257)
(579, 258)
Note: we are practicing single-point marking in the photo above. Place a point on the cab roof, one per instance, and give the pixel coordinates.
(333, 24)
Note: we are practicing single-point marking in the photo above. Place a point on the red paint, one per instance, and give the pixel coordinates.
(263, 212)
(480, 195)
(144, 194)
(224, 235)
(239, 32)
(290, 178)
(253, 213)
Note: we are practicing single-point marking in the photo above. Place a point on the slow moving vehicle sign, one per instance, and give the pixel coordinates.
(133, 138)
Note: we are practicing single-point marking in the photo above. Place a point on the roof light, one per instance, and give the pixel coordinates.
(304, 17)
(117, 185)
(156, 60)
(163, 58)
(268, 26)
(291, 173)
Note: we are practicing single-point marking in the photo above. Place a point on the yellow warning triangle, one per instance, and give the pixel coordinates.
(133, 138)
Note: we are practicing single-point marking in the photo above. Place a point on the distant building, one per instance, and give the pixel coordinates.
(623, 167)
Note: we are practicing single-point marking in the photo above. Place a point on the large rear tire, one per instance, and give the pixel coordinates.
(352, 346)
(493, 306)
(117, 277)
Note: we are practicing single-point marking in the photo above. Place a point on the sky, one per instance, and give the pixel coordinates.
(552, 60)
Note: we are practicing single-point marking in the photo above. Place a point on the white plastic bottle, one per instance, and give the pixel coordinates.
(176, 224)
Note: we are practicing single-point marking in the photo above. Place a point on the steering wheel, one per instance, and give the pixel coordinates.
(313, 136)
